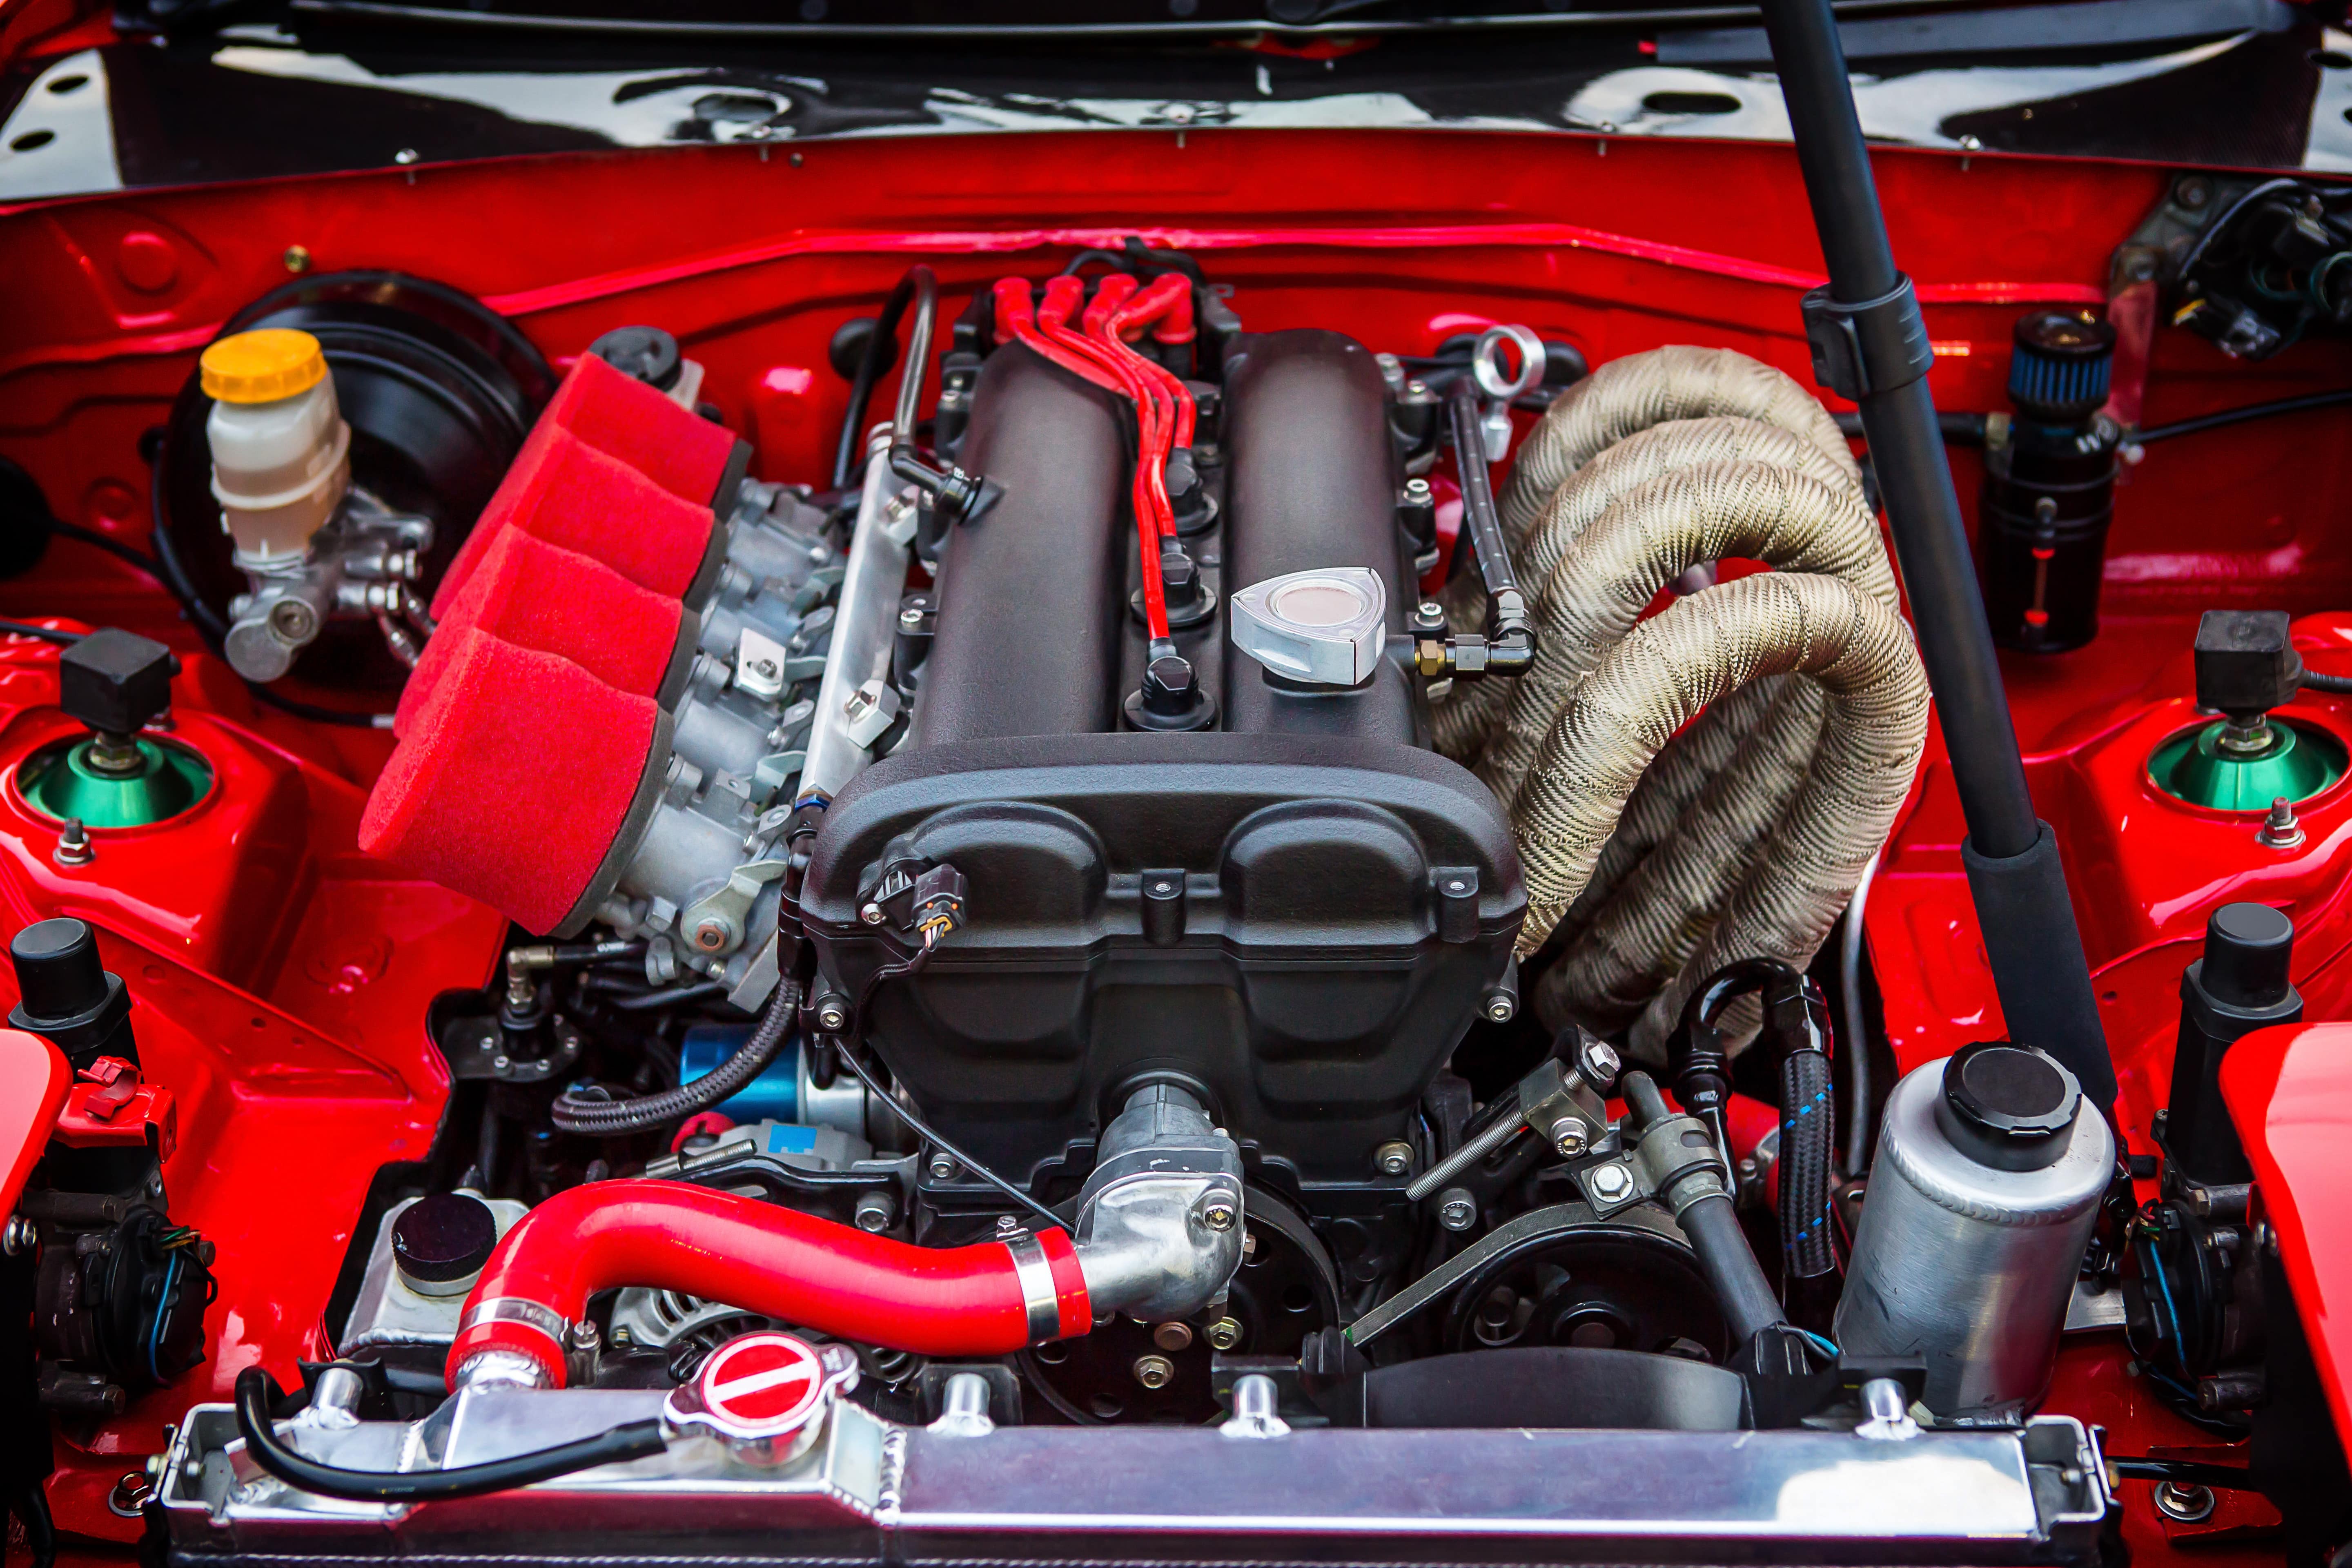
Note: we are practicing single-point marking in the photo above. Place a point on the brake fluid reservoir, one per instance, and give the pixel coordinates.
(281, 452)
(1981, 1203)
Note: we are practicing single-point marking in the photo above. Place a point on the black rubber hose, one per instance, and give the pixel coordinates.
(1741, 1290)
(1794, 1037)
(2337, 684)
(575, 1112)
(870, 367)
(2186, 1472)
(631, 1440)
(2227, 416)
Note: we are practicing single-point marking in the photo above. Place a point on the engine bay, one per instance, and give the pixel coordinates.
(1182, 865)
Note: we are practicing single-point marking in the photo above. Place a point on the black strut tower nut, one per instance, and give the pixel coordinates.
(2007, 1106)
(66, 994)
(442, 1240)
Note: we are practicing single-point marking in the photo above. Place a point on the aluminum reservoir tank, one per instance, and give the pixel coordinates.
(1981, 1203)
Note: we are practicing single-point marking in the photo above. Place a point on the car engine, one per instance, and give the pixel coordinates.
(1154, 893)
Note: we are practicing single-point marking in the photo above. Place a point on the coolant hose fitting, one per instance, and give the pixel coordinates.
(988, 1299)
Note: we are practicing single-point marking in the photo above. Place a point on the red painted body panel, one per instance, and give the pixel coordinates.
(2289, 1091)
(280, 980)
(34, 1079)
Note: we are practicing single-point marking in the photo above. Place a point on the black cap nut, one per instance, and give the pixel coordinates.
(2245, 663)
(115, 681)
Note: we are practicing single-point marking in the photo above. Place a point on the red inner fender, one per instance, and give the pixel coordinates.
(960, 1301)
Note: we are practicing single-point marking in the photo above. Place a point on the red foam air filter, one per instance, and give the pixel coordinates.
(618, 414)
(564, 491)
(541, 597)
(515, 779)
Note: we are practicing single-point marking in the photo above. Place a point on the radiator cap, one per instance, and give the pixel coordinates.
(1324, 627)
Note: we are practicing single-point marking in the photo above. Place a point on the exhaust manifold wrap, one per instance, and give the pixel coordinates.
(1659, 463)
(1804, 865)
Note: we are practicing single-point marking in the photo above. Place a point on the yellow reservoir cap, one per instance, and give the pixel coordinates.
(262, 366)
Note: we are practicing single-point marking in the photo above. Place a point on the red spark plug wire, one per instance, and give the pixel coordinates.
(1062, 296)
(987, 1298)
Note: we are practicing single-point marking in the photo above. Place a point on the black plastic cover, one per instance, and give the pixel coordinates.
(1558, 1387)
(1030, 613)
(1313, 484)
(1310, 989)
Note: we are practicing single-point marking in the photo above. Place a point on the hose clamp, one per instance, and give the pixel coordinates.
(1035, 1274)
(516, 1310)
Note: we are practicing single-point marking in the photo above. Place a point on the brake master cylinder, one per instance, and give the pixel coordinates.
(1981, 1200)
(281, 452)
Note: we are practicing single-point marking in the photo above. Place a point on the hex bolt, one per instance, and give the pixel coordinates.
(1456, 1209)
(1600, 1064)
(711, 933)
(74, 847)
(1224, 1335)
(1393, 1158)
(1609, 1182)
(1154, 1371)
(871, 914)
(1218, 1212)
(2184, 1501)
(2280, 829)
(1172, 1337)
(876, 1210)
(583, 1336)
(944, 1167)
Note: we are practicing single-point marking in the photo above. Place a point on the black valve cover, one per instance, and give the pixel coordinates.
(1345, 904)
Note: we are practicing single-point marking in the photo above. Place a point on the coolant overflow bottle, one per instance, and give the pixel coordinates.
(1981, 1200)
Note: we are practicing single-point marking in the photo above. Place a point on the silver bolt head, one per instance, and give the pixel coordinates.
(1571, 1136)
(1154, 1371)
(1500, 1007)
(1610, 1182)
(832, 1015)
(1393, 1158)
(1224, 1335)
(2184, 1503)
(943, 1167)
(1219, 1213)
(871, 914)
(910, 617)
(1456, 1209)
(1602, 1062)
(18, 1237)
(875, 1212)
